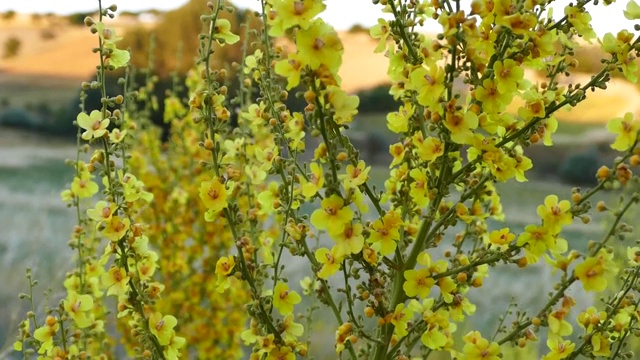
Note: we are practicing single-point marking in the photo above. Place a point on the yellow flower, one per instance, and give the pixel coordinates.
(316, 181)
(501, 238)
(329, 260)
(358, 198)
(537, 240)
(333, 214)
(250, 335)
(349, 240)
(381, 31)
(419, 191)
(519, 23)
(429, 83)
(626, 130)
(116, 136)
(427, 149)
(222, 32)
(284, 299)
(281, 353)
(558, 326)
(291, 69)
(356, 175)
(555, 214)
(398, 121)
(534, 106)
(102, 211)
(265, 344)
(523, 164)
(591, 318)
(633, 254)
(561, 262)
(289, 13)
(266, 255)
(593, 271)
(45, 334)
(291, 330)
(224, 267)
(462, 304)
(396, 150)
(173, 347)
(147, 265)
(115, 280)
(268, 199)
(549, 127)
(400, 319)
(439, 330)
(447, 287)
(478, 348)
(162, 327)
(213, 195)
(559, 349)
(133, 188)
(93, 124)
(581, 21)
(116, 228)
(461, 126)
(601, 345)
(633, 11)
(83, 187)
(345, 106)
(507, 74)
(418, 283)
(320, 45)
(493, 100)
(77, 306)
(385, 232)
(343, 334)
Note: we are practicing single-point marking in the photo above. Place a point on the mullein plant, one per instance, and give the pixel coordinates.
(115, 264)
(200, 230)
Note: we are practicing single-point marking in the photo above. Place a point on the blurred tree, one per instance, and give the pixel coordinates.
(180, 28)
(9, 15)
(11, 47)
(377, 99)
(4, 103)
(358, 28)
(78, 18)
(36, 18)
(47, 34)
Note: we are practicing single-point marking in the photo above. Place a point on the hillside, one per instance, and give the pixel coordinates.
(55, 57)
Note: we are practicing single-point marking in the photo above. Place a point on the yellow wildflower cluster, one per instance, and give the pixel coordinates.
(199, 239)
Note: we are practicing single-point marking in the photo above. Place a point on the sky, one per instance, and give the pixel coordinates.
(342, 14)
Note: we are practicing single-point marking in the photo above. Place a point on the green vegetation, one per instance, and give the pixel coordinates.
(11, 47)
(8, 15)
(177, 34)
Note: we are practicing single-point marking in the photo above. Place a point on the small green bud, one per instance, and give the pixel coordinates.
(89, 22)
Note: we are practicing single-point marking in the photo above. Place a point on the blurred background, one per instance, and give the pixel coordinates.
(45, 53)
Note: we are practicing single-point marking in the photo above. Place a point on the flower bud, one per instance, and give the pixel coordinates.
(369, 312)
(603, 173)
